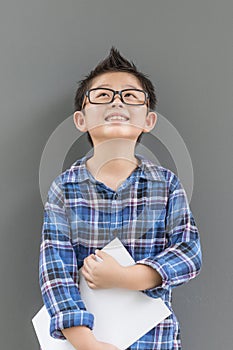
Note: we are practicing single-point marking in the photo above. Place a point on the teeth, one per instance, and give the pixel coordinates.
(116, 117)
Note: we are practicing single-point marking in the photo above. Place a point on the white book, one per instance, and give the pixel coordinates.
(121, 316)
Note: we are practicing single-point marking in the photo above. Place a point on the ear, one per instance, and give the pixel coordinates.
(79, 121)
(150, 121)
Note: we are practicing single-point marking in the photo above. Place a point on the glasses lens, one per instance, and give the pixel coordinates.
(100, 96)
(129, 96)
(133, 97)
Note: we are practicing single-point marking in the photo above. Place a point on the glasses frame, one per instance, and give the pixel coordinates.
(115, 92)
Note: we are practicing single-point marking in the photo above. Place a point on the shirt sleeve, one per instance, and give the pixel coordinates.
(181, 260)
(58, 275)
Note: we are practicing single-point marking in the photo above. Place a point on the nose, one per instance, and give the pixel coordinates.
(117, 101)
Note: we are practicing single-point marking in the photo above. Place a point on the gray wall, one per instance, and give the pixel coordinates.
(186, 48)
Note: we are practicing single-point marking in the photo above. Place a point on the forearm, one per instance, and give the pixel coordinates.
(81, 337)
(139, 277)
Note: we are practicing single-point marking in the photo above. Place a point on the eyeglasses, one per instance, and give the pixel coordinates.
(134, 97)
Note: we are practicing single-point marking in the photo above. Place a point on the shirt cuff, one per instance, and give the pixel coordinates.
(162, 268)
(70, 318)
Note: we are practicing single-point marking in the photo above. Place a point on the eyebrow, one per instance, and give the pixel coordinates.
(107, 85)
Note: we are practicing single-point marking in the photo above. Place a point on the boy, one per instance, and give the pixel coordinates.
(115, 193)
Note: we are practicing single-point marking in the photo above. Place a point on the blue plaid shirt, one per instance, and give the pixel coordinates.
(149, 213)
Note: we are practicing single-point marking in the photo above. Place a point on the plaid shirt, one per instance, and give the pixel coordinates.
(149, 213)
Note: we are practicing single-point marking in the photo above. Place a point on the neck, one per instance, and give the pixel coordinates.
(113, 157)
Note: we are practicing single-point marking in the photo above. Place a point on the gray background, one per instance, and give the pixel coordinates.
(186, 48)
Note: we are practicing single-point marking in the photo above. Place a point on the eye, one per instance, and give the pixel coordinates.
(102, 94)
(130, 94)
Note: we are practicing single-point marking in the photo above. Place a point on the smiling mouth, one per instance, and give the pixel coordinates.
(116, 118)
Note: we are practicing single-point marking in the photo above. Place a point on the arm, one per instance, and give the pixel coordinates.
(181, 260)
(140, 277)
(109, 274)
(58, 278)
(58, 268)
(82, 338)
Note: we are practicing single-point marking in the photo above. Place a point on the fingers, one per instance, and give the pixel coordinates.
(89, 262)
(101, 254)
(94, 271)
(88, 278)
(92, 285)
(87, 270)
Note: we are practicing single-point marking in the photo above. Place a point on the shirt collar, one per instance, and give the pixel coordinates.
(78, 172)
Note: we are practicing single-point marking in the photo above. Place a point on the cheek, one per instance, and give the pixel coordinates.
(137, 121)
(94, 116)
(138, 115)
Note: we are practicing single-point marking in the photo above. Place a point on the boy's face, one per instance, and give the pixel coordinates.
(93, 117)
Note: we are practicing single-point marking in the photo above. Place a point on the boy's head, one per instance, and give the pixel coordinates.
(112, 67)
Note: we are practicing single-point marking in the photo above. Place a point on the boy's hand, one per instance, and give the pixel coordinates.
(102, 274)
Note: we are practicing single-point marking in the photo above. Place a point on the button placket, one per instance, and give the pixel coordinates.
(114, 219)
